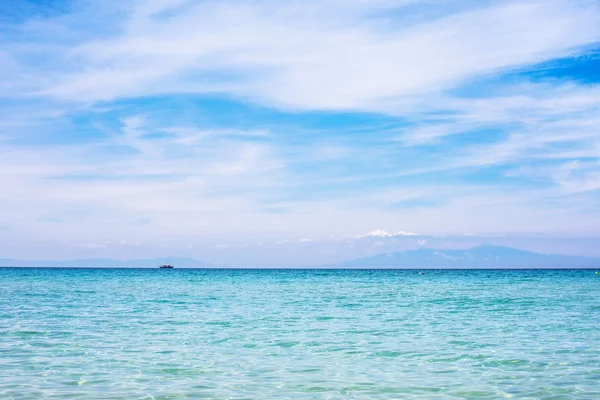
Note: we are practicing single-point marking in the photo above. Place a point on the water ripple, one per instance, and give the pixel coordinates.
(243, 334)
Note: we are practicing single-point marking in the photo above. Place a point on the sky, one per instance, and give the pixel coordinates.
(262, 132)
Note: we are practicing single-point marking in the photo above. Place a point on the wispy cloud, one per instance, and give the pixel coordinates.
(253, 121)
(304, 55)
(380, 233)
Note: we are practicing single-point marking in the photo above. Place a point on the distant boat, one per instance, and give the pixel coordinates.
(166, 266)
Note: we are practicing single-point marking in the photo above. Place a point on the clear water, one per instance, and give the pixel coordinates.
(272, 334)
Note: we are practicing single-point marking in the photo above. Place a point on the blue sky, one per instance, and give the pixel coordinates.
(265, 132)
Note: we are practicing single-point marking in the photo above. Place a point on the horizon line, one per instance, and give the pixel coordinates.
(327, 268)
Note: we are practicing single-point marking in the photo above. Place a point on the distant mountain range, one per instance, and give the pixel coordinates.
(479, 257)
(484, 256)
(106, 262)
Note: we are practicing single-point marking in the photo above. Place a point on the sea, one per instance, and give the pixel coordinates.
(299, 334)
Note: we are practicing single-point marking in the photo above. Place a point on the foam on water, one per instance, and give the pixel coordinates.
(257, 334)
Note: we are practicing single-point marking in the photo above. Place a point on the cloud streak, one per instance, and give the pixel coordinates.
(303, 56)
(269, 121)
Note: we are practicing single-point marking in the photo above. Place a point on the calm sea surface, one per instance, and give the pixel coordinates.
(277, 334)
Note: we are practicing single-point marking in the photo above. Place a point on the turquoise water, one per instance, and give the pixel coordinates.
(276, 334)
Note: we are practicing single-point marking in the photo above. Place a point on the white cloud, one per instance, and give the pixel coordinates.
(383, 234)
(303, 55)
(303, 240)
(191, 182)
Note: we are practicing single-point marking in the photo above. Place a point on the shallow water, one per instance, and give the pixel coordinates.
(298, 334)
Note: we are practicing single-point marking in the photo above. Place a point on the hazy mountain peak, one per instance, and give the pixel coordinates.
(482, 256)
